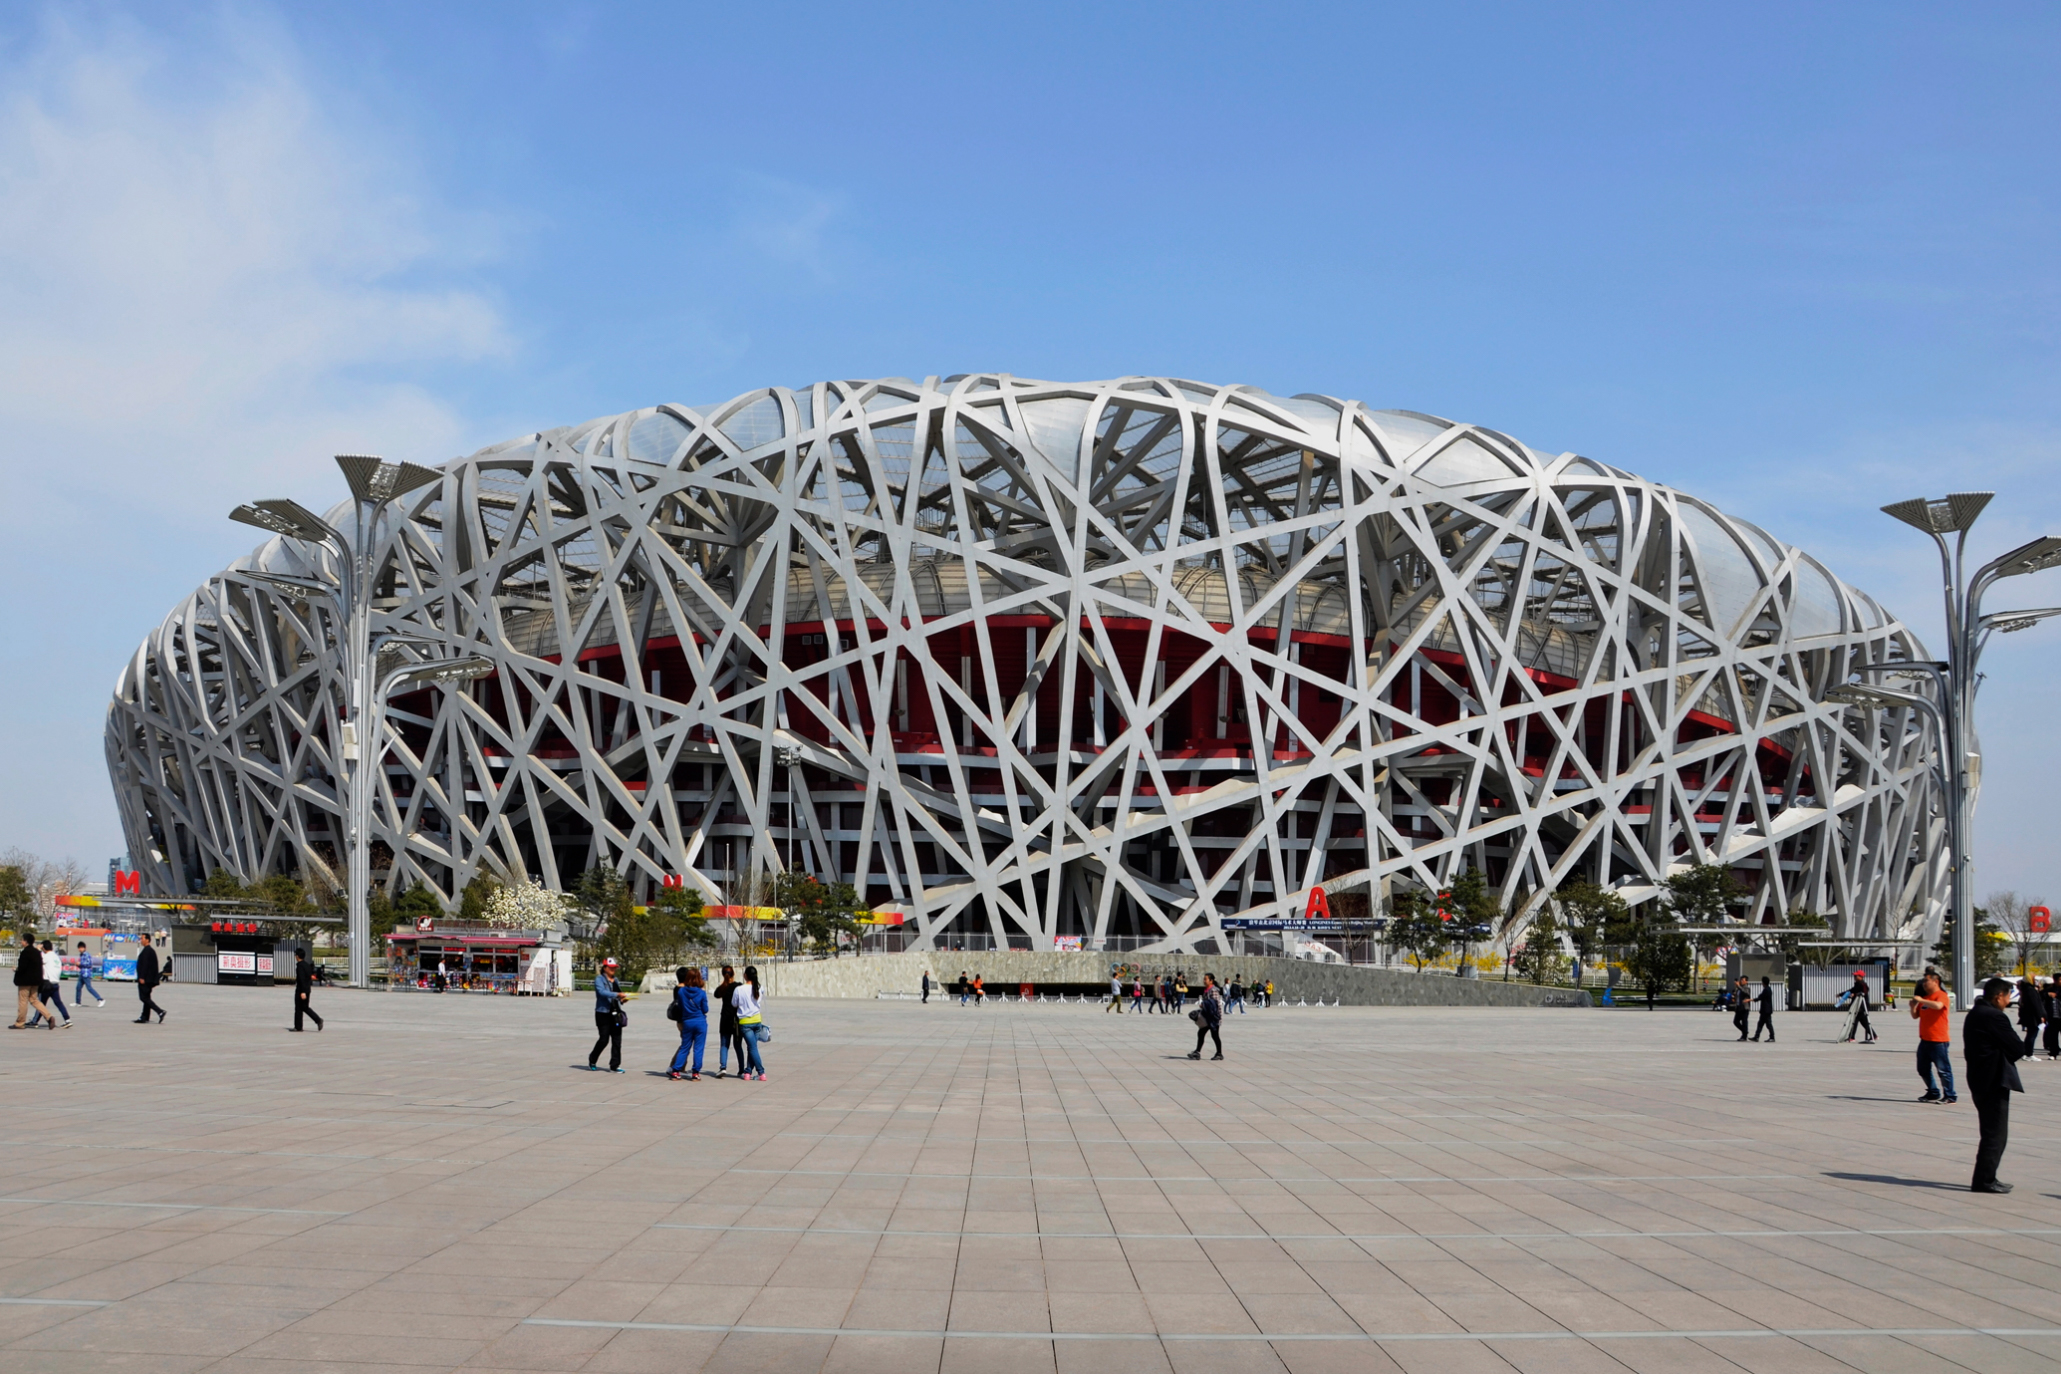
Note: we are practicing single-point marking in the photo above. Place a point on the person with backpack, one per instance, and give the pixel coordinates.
(750, 1022)
(1235, 999)
(609, 1018)
(690, 1009)
(1208, 1017)
(1856, 1000)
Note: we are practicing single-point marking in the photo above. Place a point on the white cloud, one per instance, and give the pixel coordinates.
(210, 281)
(204, 273)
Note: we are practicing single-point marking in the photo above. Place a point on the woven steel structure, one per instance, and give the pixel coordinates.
(1028, 660)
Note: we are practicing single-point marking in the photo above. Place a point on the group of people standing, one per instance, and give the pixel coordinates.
(39, 992)
(740, 1021)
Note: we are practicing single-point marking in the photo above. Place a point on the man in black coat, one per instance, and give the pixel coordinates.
(1992, 1048)
(147, 979)
(1766, 1003)
(28, 985)
(2032, 1009)
(303, 983)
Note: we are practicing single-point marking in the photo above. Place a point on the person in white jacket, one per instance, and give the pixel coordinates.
(749, 1020)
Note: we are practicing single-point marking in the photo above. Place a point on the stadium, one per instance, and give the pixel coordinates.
(1032, 663)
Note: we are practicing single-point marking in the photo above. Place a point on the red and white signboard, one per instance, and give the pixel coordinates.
(234, 961)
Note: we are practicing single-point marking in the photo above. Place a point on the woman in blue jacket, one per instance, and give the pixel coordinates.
(690, 999)
(608, 1018)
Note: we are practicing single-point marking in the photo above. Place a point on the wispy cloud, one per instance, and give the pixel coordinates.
(204, 273)
(209, 281)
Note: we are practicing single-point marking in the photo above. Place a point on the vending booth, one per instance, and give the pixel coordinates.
(474, 958)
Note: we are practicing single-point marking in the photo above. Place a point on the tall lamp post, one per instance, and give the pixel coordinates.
(374, 485)
(1967, 631)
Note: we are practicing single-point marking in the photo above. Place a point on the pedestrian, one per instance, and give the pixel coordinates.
(1116, 996)
(926, 990)
(51, 990)
(148, 976)
(2031, 1007)
(727, 1035)
(1929, 1007)
(1992, 1050)
(1235, 998)
(1166, 994)
(1270, 994)
(1742, 1003)
(88, 966)
(980, 990)
(1856, 999)
(1209, 1018)
(303, 988)
(609, 1019)
(1766, 1001)
(965, 988)
(690, 1009)
(750, 1022)
(1180, 991)
(2053, 1009)
(28, 984)
(1137, 994)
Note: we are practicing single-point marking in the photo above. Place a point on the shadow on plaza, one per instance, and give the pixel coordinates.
(1899, 1182)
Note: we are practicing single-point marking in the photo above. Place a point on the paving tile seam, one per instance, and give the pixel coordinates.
(1368, 1236)
(1263, 1178)
(173, 1206)
(1358, 1337)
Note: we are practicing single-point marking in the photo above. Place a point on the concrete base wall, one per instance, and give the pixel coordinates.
(1294, 980)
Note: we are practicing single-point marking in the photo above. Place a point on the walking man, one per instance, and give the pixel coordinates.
(1116, 996)
(926, 988)
(1209, 1018)
(1766, 1003)
(2053, 996)
(148, 976)
(2031, 1011)
(303, 984)
(1742, 1000)
(1929, 1008)
(88, 966)
(1992, 1049)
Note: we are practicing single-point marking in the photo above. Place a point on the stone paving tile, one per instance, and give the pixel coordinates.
(1020, 1170)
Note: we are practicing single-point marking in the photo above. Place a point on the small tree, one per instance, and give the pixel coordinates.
(478, 895)
(2010, 914)
(678, 924)
(1414, 927)
(1540, 959)
(824, 911)
(1473, 909)
(1591, 913)
(417, 902)
(17, 898)
(1702, 895)
(1660, 957)
(526, 906)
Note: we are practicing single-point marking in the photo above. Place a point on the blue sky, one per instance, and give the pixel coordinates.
(1799, 260)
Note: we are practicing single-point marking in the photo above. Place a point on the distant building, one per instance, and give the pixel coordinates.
(1110, 660)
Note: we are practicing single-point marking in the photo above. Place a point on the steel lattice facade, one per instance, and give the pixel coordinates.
(1026, 659)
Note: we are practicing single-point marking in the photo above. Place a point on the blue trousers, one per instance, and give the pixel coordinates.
(85, 986)
(1932, 1054)
(751, 1047)
(693, 1035)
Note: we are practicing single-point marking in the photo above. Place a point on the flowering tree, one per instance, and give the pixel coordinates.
(526, 906)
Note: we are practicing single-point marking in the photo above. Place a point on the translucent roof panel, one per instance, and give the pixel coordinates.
(1724, 572)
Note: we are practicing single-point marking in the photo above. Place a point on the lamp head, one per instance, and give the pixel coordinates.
(1950, 514)
(374, 479)
(283, 517)
(2041, 554)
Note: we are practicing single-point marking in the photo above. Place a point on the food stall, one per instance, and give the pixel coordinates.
(477, 958)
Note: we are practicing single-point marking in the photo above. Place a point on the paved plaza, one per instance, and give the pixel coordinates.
(436, 1182)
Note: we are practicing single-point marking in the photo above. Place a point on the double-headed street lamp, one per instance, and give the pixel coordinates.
(374, 485)
(1967, 631)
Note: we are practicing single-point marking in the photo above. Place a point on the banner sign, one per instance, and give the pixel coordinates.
(1306, 925)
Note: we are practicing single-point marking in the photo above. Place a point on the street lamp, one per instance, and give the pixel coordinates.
(1968, 631)
(374, 484)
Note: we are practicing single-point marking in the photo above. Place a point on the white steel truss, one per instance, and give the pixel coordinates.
(1031, 660)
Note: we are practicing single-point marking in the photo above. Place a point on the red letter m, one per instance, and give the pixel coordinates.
(128, 884)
